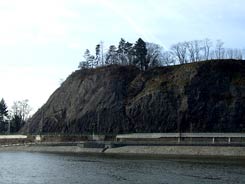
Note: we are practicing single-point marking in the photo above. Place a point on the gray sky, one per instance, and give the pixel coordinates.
(42, 41)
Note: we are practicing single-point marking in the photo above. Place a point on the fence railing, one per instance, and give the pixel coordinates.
(183, 137)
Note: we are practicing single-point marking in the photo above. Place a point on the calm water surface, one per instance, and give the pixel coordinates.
(40, 168)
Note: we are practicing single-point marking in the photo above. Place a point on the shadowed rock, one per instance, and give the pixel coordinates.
(198, 97)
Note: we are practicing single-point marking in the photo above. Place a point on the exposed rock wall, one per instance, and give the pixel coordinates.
(197, 97)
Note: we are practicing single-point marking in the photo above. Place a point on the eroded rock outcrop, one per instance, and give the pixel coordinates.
(197, 97)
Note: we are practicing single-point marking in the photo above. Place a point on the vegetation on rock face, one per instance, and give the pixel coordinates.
(197, 97)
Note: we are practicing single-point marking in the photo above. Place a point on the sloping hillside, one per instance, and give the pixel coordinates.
(198, 97)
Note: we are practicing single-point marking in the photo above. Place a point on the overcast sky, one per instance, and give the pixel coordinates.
(42, 41)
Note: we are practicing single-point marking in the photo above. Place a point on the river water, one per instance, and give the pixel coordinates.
(40, 168)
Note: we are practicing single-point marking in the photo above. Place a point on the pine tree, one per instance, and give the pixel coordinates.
(125, 52)
(3, 115)
(129, 52)
(140, 54)
(122, 53)
(97, 55)
(88, 61)
(112, 56)
(16, 123)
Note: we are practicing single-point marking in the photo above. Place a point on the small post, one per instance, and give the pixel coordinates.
(213, 140)
(179, 138)
(229, 140)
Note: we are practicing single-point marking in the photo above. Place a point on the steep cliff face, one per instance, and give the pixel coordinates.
(198, 97)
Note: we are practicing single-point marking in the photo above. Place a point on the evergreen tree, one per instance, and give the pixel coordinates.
(97, 55)
(121, 46)
(3, 115)
(129, 51)
(16, 123)
(140, 54)
(83, 65)
(88, 60)
(125, 52)
(112, 56)
(122, 52)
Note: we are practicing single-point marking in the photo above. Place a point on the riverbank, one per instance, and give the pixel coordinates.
(216, 151)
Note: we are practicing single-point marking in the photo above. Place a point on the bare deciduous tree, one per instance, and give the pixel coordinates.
(168, 58)
(243, 53)
(229, 53)
(22, 109)
(233, 54)
(237, 54)
(154, 54)
(207, 44)
(198, 45)
(180, 51)
(191, 49)
(219, 50)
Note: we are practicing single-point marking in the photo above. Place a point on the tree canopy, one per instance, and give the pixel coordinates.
(146, 55)
(12, 120)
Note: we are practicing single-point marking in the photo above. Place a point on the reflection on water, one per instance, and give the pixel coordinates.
(39, 168)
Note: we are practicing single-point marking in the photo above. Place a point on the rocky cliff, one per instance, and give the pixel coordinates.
(198, 97)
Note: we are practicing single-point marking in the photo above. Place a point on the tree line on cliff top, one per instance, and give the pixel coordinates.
(147, 55)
